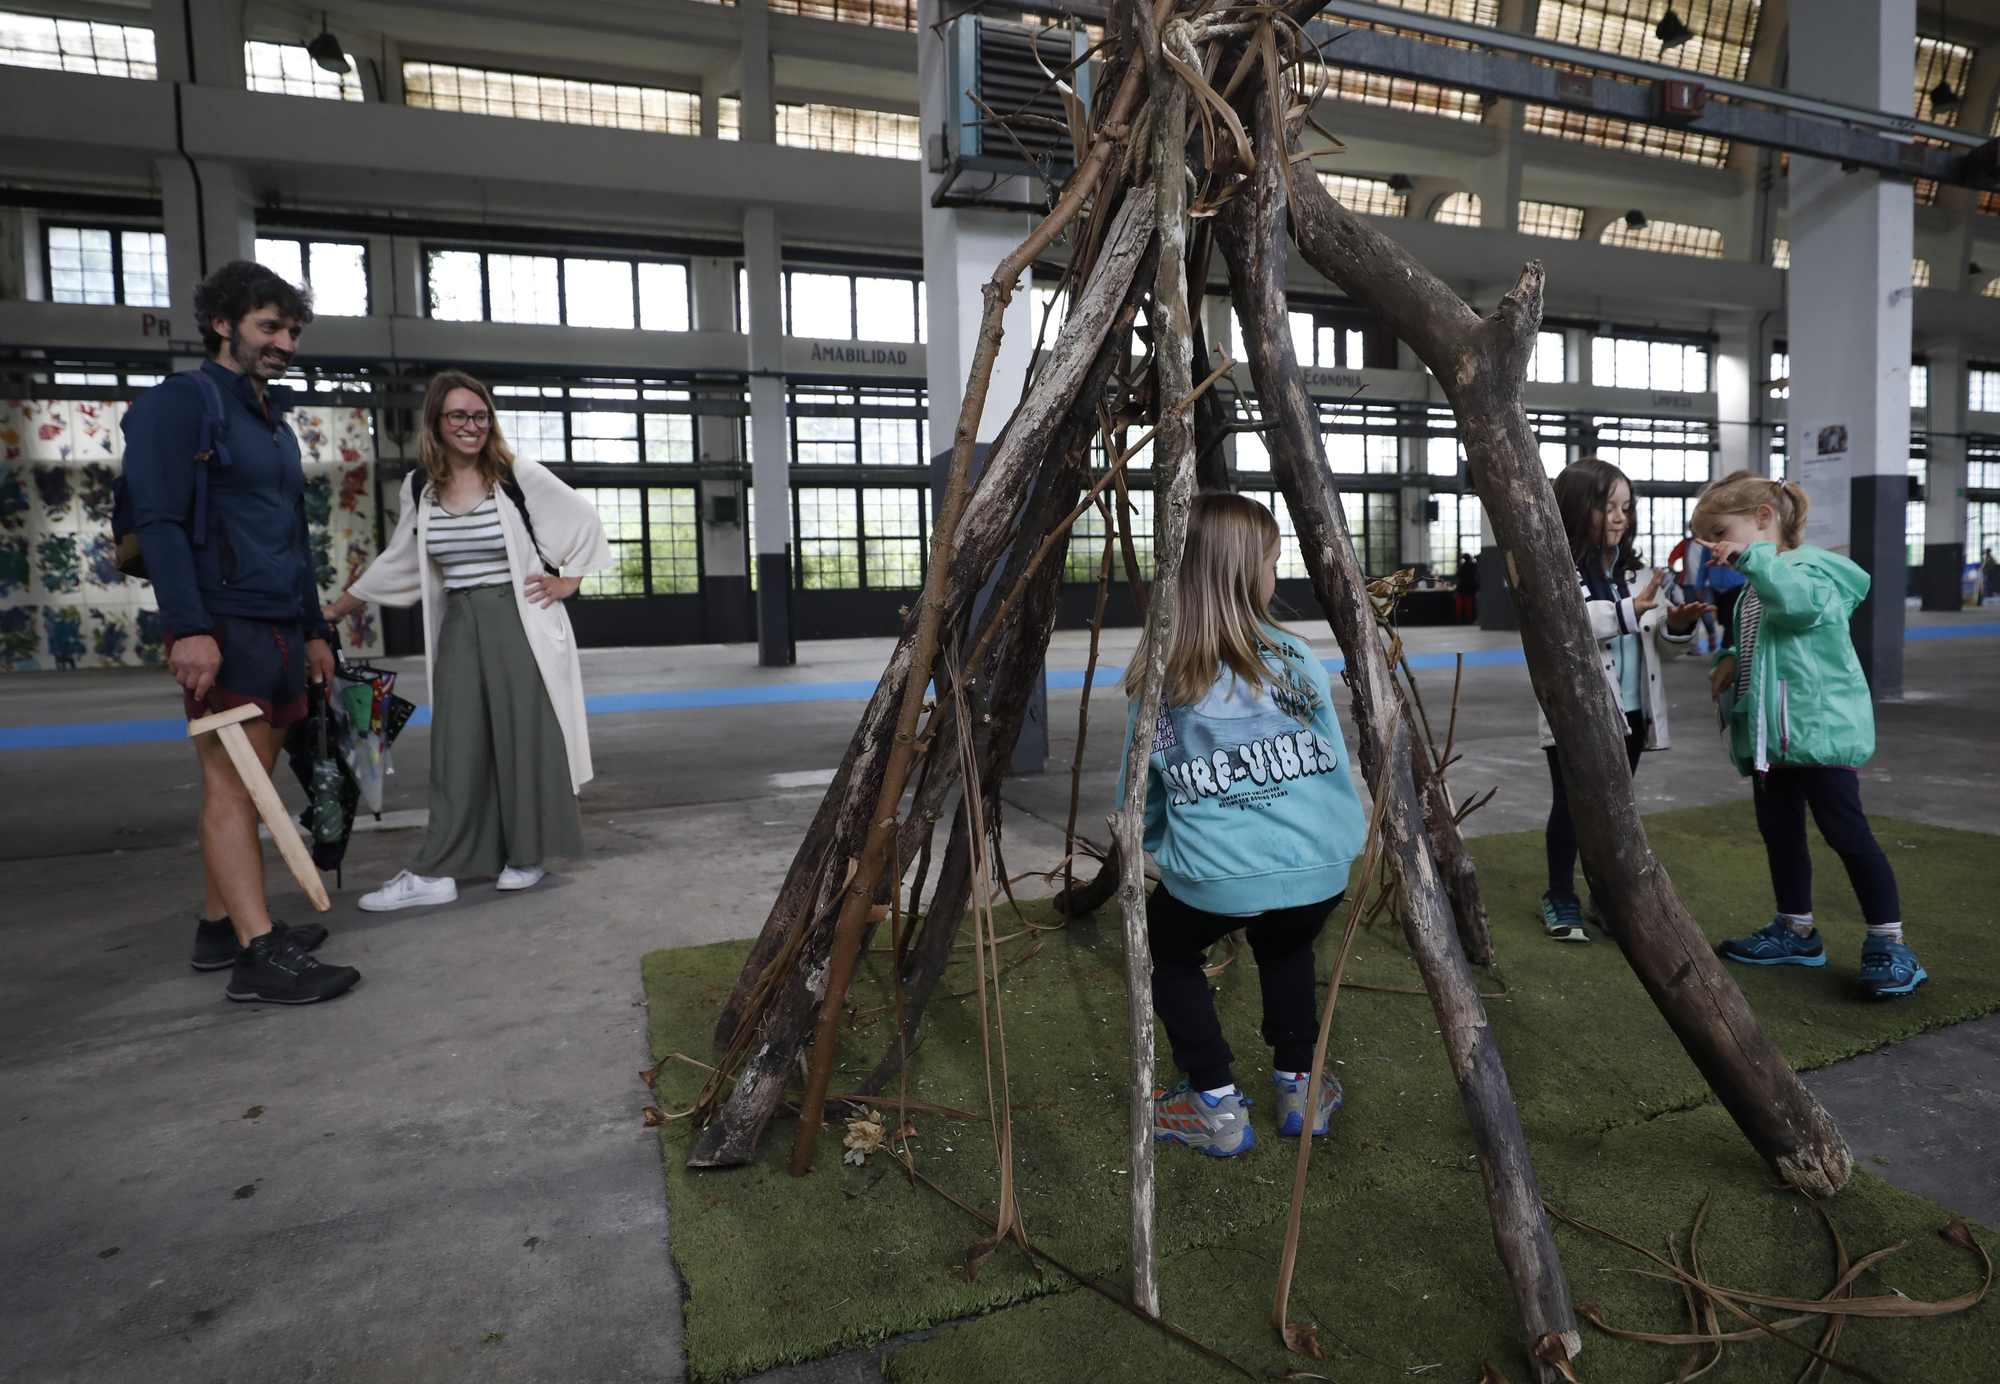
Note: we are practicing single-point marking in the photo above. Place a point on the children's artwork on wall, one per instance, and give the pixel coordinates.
(64, 603)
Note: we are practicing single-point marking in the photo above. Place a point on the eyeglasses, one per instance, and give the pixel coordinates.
(459, 418)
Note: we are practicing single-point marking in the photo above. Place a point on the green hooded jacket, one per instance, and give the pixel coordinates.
(1808, 702)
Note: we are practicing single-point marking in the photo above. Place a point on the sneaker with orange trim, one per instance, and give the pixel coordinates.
(1215, 1125)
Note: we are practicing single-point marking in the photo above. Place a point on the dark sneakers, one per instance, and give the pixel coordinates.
(1775, 944)
(276, 970)
(1889, 969)
(1562, 918)
(216, 947)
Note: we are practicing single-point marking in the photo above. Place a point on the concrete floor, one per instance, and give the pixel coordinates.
(442, 1176)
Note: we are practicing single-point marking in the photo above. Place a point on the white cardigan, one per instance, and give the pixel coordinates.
(1609, 620)
(571, 537)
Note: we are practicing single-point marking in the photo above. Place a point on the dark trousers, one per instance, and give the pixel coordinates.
(1179, 936)
(1725, 611)
(1834, 795)
(1561, 836)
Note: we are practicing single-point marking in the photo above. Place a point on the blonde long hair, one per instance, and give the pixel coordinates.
(496, 458)
(1741, 492)
(1222, 615)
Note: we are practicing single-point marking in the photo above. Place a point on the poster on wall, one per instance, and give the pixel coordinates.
(1825, 470)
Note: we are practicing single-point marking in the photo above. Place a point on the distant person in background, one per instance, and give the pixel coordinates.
(237, 599)
(1989, 574)
(491, 546)
(1466, 600)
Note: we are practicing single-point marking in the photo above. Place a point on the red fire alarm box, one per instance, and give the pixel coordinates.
(1679, 99)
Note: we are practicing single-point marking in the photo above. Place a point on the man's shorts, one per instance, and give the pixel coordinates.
(263, 665)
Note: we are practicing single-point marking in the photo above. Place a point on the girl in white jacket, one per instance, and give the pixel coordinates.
(491, 546)
(1633, 634)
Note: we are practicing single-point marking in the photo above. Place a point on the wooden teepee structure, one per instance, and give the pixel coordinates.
(1193, 152)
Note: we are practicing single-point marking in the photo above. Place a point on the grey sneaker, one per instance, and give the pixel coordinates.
(1218, 1126)
(1292, 1102)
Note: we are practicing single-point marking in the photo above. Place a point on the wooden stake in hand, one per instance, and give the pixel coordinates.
(227, 726)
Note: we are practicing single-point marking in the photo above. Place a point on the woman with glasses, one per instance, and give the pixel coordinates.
(490, 546)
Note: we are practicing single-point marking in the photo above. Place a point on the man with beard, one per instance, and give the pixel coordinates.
(218, 503)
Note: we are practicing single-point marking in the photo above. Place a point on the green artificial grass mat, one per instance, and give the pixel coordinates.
(780, 1269)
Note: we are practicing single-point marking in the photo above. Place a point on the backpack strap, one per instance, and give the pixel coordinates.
(513, 489)
(210, 451)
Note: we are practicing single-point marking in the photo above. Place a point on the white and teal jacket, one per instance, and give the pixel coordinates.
(1249, 805)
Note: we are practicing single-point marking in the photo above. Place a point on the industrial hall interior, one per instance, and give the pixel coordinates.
(687, 685)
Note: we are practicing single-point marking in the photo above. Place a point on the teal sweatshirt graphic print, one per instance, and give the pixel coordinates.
(1249, 805)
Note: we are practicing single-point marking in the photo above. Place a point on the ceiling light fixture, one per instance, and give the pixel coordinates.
(1635, 220)
(327, 52)
(1672, 31)
(1943, 98)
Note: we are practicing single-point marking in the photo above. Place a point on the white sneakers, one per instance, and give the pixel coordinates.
(407, 890)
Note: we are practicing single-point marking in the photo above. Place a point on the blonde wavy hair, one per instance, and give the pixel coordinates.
(1222, 617)
(1741, 492)
(496, 458)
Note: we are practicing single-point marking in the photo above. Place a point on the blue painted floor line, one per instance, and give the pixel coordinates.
(82, 733)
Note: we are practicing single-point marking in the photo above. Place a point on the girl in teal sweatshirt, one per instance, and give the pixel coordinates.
(1801, 723)
(1252, 819)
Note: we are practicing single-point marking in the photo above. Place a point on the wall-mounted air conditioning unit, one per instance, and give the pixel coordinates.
(997, 70)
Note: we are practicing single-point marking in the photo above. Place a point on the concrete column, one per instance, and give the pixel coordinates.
(716, 83)
(1413, 521)
(382, 276)
(1944, 488)
(770, 452)
(199, 41)
(1736, 395)
(962, 247)
(727, 612)
(760, 115)
(210, 219)
(407, 282)
(1215, 320)
(1849, 322)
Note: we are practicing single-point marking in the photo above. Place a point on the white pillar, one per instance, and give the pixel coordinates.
(1849, 327)
(962, 248)
(770, 454)
(209, 220)
(1944, 486)
(760, 115)
(1736, 397)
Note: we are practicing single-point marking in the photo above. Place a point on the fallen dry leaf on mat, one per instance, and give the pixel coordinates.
(864, 1136)
(1303, 1337)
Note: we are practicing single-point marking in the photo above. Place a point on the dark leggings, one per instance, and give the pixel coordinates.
(1180, 935)
(1834, 795)
(1561, 837)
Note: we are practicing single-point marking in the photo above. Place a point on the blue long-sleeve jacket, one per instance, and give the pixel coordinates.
(257, 560)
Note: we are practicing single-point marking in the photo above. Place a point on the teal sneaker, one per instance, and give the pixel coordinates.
(1775, 944)
(1292, 1102)
(1562, 918)
(1888, 969)
(1215, 1125)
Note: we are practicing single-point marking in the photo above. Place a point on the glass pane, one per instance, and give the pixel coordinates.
(1356, 350)
(1546, 367)
(824, 441)
(145, 267)
(284, 257)
(80, 266)
(598, 293)
(1086, 547)
(536, 436)
(603, 437)
(829, 534)
(1326, 347)
(339, 275)
(619, 509)
(286, 69)
(76, 45)
(523, 288)
(819, 305)
(453, 285)
(886, 310)
(890, 442)
(1302, 337)
(663, 297)
(674, 541)
(669, 437)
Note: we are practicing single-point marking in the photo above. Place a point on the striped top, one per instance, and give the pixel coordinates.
(1749, 615)
(469, 548)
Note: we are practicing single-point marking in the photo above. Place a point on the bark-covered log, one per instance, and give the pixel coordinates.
(1454, 862)
(775, 1032)
(1252, 228)
(1481, 363)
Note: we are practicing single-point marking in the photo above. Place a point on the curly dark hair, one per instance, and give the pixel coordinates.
(238, 289)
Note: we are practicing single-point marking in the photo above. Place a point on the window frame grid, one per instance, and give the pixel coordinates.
(117, 232)
(564, 405)
(306, 242)
(561, 258)
(855, 545)
(644, 543)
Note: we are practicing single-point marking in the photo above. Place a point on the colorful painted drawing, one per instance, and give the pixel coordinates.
(152, 642)
(319, 500)
(95, 488)
(100, 555)
(353, 488)
(55, 555)
(53, 483)
(20, 644)
(14, 570)
(112, 637)
(13, 499)
(64, 625)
